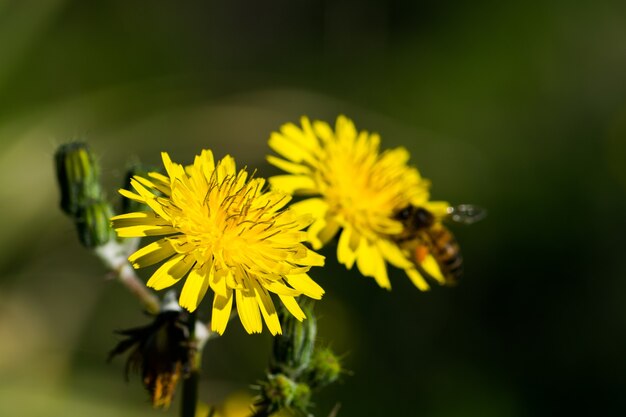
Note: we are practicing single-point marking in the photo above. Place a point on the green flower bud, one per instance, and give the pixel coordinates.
(293, 349)
(93, 223)
(277, 392)
(301, 397)
(324, 369)
(77, 175)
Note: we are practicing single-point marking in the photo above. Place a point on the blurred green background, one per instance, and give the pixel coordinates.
(519, 107)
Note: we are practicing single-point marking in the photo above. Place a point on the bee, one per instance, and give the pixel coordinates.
(423, 233)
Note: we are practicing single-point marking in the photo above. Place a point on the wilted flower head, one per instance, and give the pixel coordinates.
(222, 231)
(355, 188)
(160, 352)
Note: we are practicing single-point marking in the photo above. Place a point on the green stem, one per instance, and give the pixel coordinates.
(190, 383)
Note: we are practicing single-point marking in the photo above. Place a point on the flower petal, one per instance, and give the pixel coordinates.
(145, 230)
(345, 254)
(392, 253)
(222, 307)
(195, 288)
(371, 263)
(151, 254)
(248, 310)
(281, 289)
(138, 218)
(287, 166)
(267, 309)
(431, 267)
(292, 306)
(292, 183)
(311, 258)
(304, 284)
(417, 279)
(171, 272)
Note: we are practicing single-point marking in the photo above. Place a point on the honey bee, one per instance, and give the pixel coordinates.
(423, 233)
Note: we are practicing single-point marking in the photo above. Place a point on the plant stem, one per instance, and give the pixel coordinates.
(114, 256)
(190, 383)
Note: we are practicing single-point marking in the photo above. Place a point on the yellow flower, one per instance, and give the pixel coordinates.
(224, 232)
(355, 188)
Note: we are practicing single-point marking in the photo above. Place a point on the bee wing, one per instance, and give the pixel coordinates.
(466, 213)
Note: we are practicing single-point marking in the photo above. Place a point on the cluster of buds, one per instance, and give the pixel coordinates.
(81, 194)
(297, 367)
(82, 198)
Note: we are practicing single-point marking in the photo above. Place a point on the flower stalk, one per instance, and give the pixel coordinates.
(189, 400)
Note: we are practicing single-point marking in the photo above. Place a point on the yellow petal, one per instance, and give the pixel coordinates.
(304, 284)
(313, 231)
(222, 307)
(327, 232)
(345, 128)
(438, 208)
(392, 253)
(345, 255)
(287, 166)
(394, 157)
(194, 289)
(292, 183)
(170, 272)
(364, 259)
(323, 131)
(173, 170)
(311, 258)
(151, 254)
(154, 185)
(147, 230)
(149, 198)
(267, 309)
(292, 306)
(138, 218)
(417, 279)
(248, 310)
(181, 244)
(372, 264)
(219, 282)
(159, 177)
(316, 207)
(432, 268)
(288, 149)
(281, 289)
(131, 196)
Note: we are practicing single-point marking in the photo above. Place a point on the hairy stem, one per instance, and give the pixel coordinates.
(114, 256)
(190, 383)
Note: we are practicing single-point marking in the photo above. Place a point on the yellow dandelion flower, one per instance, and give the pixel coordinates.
(355, 188)
(222, 231)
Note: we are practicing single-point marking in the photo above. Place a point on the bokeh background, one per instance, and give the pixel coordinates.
(519, 107)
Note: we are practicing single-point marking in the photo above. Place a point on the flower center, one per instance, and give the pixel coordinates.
(358, 190)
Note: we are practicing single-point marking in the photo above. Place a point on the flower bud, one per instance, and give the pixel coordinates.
(301, 397)
(94, 225)
(77, 175)
(128, 205)
(324, 369)
(293, 349)
(277, 392)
